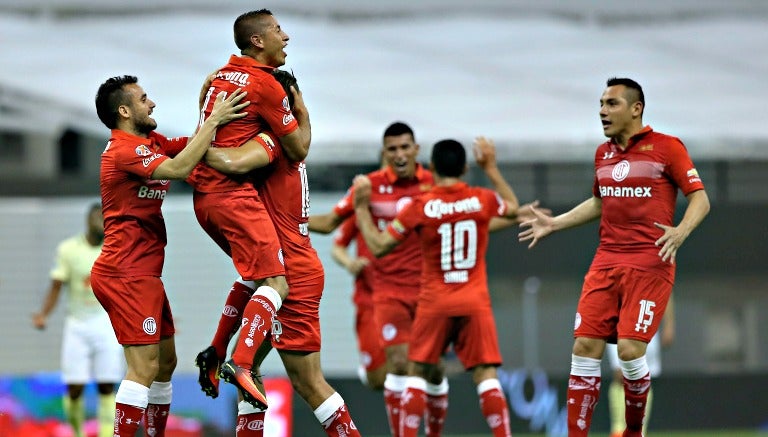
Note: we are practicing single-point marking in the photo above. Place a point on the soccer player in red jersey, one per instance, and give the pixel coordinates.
(451, 223)
(228, 207)
(372, 357)
(283, 186)
(136, 167)
(395, 278)
(637, 175)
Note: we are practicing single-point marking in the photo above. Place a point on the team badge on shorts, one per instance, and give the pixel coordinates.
(577, 322)
(388, 331)
(149, 326)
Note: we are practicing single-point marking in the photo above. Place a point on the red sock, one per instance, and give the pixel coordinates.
(635, 398)
(583, 393)
(127, 419)
(250, 425)
(392, 403)
(413, 404)
(493, 404)
(340, 424)
(155, 419)
(257, 319)
(230, 320)
(437, 409)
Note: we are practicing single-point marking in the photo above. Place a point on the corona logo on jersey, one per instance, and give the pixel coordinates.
(234, 77)
(436, 208)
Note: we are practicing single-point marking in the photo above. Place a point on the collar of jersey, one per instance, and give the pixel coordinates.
(419, 174)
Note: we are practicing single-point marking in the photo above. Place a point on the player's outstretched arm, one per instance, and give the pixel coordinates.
(224, 111)
(543, 225)
(324, 223)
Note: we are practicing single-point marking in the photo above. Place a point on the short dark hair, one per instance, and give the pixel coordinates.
(398, 128)
(449, 158)
(286, 80)
(248, 24)
(110, 96)
(635, 93)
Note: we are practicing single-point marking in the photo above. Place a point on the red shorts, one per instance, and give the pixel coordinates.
(473, 337)
(238, 222)
(393, 319)
(372, 354)
(298, 320)
(137, 307)
(621, 302)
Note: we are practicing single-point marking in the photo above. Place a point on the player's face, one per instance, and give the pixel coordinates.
(273, 42)
(616, 113)
(140, 109)
(400, 154)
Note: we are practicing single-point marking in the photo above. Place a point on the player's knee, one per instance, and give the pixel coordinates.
(588, 347)
(279, 284)
(166, 366)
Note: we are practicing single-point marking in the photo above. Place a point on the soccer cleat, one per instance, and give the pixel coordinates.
(209, 364)
(243, 379)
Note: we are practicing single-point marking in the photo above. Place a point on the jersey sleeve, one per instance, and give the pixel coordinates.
(139, 161)
(61, 270)
(346, 206)
(346, 232)
(271, 145)
(275, 109)
(497, 207)
(170, 146)
(406, 221)
(680, 168)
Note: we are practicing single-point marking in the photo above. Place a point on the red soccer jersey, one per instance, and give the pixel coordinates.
(269, 110)
(451, 223)
(638, 187)
(134, 229)
(344, 235)
(284, 190)
(397, 273)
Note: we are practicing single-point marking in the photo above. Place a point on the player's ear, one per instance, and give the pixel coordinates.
(256, 41)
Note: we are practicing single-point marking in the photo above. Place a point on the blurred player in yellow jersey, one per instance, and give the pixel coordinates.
(89, 349)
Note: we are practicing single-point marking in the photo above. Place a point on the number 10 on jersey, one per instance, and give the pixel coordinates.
(458, 250)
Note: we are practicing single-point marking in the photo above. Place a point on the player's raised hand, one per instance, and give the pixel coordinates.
(485, 152)
(536, 228)
(361, 187)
